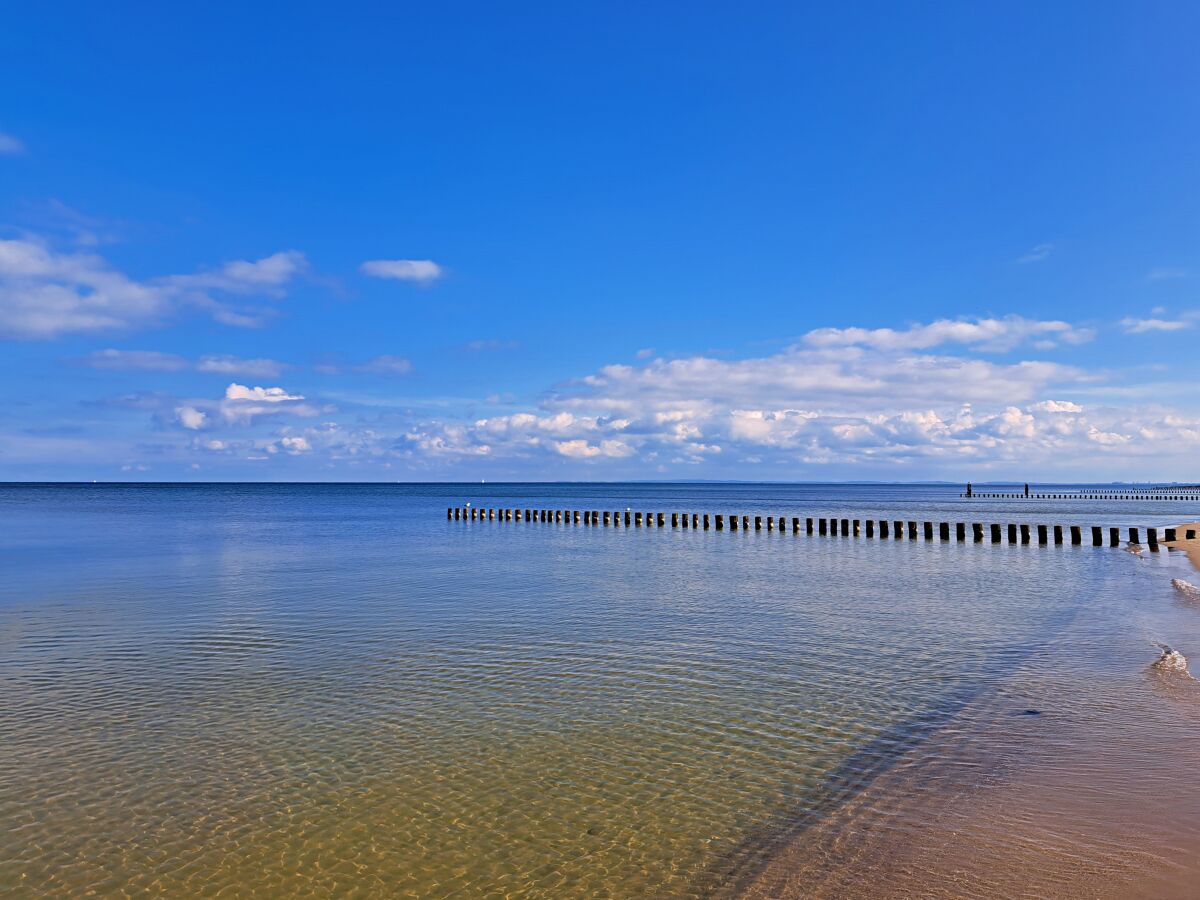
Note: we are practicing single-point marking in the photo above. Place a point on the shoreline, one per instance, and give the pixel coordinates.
(1191, 548)
(1087, 794)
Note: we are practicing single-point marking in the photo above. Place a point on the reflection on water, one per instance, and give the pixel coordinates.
(307, 690)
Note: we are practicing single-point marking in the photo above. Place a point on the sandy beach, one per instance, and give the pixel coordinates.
(1192, 547)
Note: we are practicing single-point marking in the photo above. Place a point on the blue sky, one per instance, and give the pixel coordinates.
(567, 241)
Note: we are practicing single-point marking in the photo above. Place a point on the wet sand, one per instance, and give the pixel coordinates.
(1080, 785)
(1192, 547)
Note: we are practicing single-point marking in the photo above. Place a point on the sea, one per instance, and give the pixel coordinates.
(314, 690)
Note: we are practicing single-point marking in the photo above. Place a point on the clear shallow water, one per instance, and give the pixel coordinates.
(309, 689)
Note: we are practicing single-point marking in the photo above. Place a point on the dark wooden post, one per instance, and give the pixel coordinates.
(1133, 536)
(1058, 534)
(977, 532)
(795, 524)
(1012, 533)
(944, 531)
(706, 521)
(662, 520)
(1043, 537)
(822, 527)
(808, 525)
(1076, 536)
(758, 523)
(845, 527)
(870, 528)
(1152, 539)
(1114, 537)
(929, 531)
(720, 522)
(883, 528)
(1097, 536)
(1169, 535)
(1024, 533)
(995, 533)
(674, 520)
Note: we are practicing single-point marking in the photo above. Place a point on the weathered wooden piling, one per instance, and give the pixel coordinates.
(883, 528)
(1024, 533)
(719, 521)
(1152, 539)
(733, 523)
(1133, 535)
(977, 532)
(1097, 536)
(1190, 534)
(1058, 534)
(912, 531)
(870, 528)
(1043, 535)
(928, 531)
(1169, 535)
(808, 525)
(822, 527)
(795, 524)
(1076, 535)
(995, 533)
(706, 521)
(1012, 533)
(758, 523)
(944, 531)
(1114, 537)
(845, 527)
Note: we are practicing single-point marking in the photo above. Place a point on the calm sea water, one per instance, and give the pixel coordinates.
(305, 690)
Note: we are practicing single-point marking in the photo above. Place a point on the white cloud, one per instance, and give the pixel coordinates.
(10, 146)
(420, 271)
(1037, 254)
(1141, 326)
(233, 365)
(45, 294)
(191, 418)
(996, 335)
(259, 394)
(1057, 406)
(294, 445)
(135, 360)
(387, 365)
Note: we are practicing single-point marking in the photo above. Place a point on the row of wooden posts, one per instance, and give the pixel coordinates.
(885, 528)
(976, 495)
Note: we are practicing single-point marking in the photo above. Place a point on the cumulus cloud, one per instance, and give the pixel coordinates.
(10, 146)
(191, 418)
(45, 293)
(838, 397)
(419, 271)
(259, 394)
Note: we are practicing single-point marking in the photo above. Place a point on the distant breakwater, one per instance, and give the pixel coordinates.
(883, 529)
(1174, 492)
